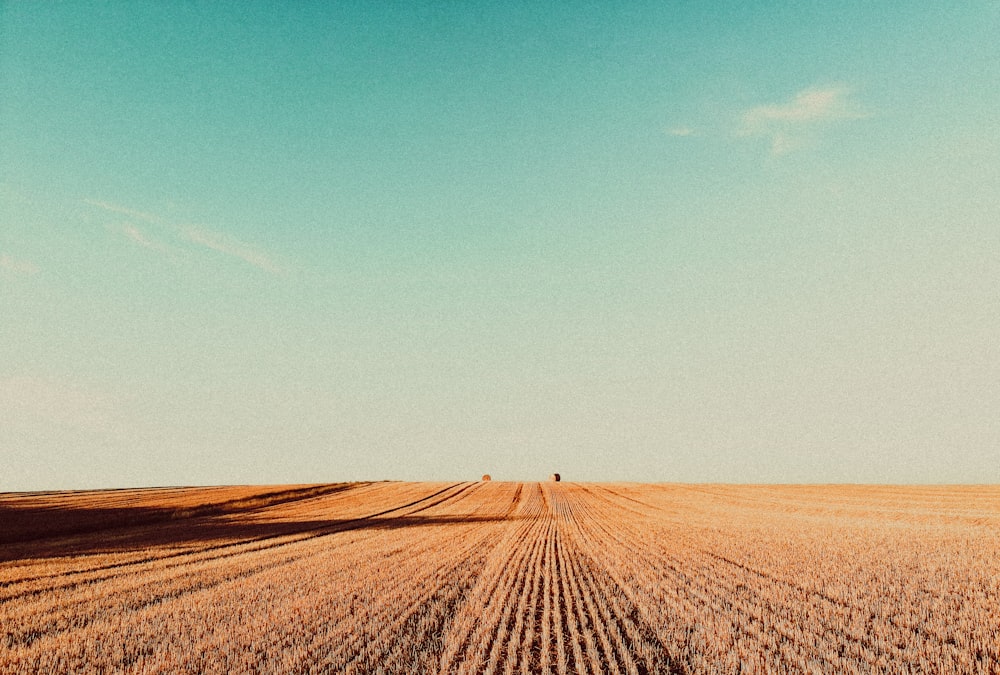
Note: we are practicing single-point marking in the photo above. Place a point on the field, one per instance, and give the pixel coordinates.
(499, 577)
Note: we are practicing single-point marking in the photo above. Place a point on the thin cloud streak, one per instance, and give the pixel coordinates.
(133, 233)
(137, 236)
(229, 246)
(123, 210)
(15, 266)
(216, 241)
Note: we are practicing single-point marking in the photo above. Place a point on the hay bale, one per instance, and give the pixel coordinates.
(555, 478)
(486, 477)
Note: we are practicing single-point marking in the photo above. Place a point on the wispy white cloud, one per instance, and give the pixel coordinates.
(682, 131)
(227, 245)
(809, 105)
(132, 213)
(129, 229)
(786, 124)
(15, 266)
(137, 236)
(216, 241)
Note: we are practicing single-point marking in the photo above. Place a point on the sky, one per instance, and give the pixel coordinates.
(650, 241)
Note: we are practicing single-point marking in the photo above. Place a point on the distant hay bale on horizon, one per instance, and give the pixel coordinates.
(486, 477)
(555, 478)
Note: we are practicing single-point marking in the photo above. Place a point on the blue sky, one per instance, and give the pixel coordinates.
(249, 243)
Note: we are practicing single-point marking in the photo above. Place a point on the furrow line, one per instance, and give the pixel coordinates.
(571, 629)
(608, 629)
(723, 593)
(708, 595)
(642, 641)
(362, 651)
(508, 647)
(534, 625)
(482, 618)
(583, 620)
(551, 639)
(599, 627)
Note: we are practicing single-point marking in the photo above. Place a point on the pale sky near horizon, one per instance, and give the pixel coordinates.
(663, 241)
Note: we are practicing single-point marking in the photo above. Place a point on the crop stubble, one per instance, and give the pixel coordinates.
(499, 577)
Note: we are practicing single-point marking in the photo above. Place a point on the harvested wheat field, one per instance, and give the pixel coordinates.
(500, 577)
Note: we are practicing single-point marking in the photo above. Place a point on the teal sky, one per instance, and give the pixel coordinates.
(665, 241)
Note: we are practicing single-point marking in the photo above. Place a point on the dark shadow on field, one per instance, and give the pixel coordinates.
(89, 531)
(22, 520)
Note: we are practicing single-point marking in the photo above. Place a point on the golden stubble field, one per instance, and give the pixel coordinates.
(500, 577)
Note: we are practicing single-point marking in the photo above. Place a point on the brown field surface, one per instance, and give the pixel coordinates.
(500, 577)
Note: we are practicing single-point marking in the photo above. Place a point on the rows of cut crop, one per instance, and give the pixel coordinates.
(754, 586)
(914, 579)
(617, 639)
(480, 630)
(504, 578)
(129, 545)
(29, 517)
(333, 600)
(542, 605)
(126, 553)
